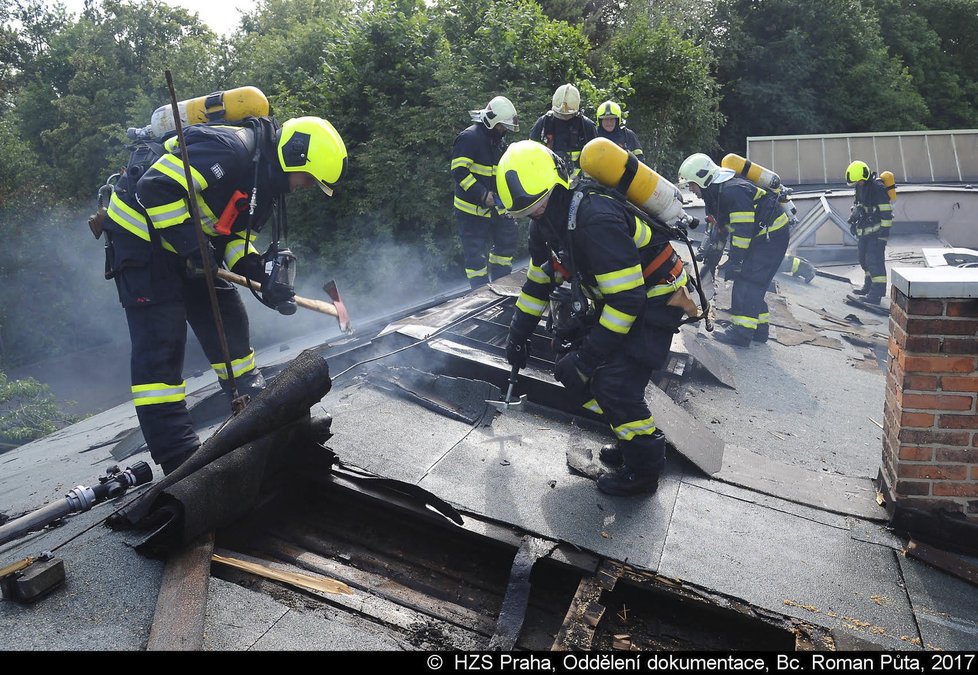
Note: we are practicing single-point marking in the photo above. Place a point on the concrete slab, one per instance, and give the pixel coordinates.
(790, 565)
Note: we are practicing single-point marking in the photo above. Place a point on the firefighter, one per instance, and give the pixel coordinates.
(564, 128)
(154, 257)
(870, 223)
(616, 264)
(475, 154)
(758, 228)
(611, 125)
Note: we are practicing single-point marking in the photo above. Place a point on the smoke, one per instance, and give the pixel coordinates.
(64, 326)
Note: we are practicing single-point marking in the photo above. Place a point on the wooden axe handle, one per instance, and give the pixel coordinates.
(315, 305)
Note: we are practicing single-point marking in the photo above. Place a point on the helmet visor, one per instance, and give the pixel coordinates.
(527, 210)
(512, 124)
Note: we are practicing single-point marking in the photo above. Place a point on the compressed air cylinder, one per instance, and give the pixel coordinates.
(615, 167)
(231, 105)
(761, 177)
(889, 182)
(755, 173)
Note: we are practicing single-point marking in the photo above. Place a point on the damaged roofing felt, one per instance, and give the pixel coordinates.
(767, 501)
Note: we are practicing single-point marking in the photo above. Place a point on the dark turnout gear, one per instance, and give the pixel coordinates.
(758, 229)
(566, 137)
(475, 155)
(517, 352)
(623, 137)
(628, 272)
(870, 222)
(152, 253)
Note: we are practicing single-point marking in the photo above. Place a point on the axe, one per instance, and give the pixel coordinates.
(336, 308)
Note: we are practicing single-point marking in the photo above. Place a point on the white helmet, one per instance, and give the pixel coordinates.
(702, 170)
(566, 101)
(499, 110)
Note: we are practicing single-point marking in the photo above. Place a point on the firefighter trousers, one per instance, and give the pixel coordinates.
(748, 310)
(158, 334)
(872, 258)
(473, 231)
(618, 390)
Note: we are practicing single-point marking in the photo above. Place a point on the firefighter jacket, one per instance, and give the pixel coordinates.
(475, 156)
(564, 137)
(873, 204)
(627, 271)
(623, 137)
(152, 202)
(746, 211)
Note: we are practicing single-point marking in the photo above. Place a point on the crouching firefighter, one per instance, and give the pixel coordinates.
(241, 172)
(627, 272)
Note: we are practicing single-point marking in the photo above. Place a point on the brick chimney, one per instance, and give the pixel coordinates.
(929, 476)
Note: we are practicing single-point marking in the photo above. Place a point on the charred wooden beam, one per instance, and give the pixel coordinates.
(585, 611)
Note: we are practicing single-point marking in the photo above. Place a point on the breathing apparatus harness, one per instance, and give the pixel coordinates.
(278, 262)
(569, 307)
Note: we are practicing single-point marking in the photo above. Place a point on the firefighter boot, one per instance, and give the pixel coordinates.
(644, 459)
(762, 333)
(176, 459)
(738, 336)
(249, 384)
(867, 284)
(876, 293)
(611, 455)
(806, 271)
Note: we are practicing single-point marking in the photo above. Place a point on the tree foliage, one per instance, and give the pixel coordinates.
(28, 410)
(398, 79)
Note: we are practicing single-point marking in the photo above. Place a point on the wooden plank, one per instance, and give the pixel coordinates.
(178, 624)
(944, 560)
(259, 568)
(392, 614)
(585, 611)
(381, 586)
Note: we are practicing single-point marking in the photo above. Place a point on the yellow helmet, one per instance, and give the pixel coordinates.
(528, 172)
(566, 101)
(312, 145)
(857, 171)
(610, 109)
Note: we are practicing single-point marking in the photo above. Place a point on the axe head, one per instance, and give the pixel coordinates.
(341, 315)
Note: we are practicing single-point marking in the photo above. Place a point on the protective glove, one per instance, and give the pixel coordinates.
(195, 266)
(731, 269)
(517, 351)
(574, 371)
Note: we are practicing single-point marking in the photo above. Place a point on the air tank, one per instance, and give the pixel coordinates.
(889, 182)
(231, 105)
(762, 178)
(615, 167)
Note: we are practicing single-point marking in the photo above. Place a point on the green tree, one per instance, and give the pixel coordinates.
(674, 103)
(797, 67)
(944, 75)
(82, 83)
(28, 410)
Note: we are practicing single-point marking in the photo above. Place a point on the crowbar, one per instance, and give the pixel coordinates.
(509, 403)
(337, 309)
